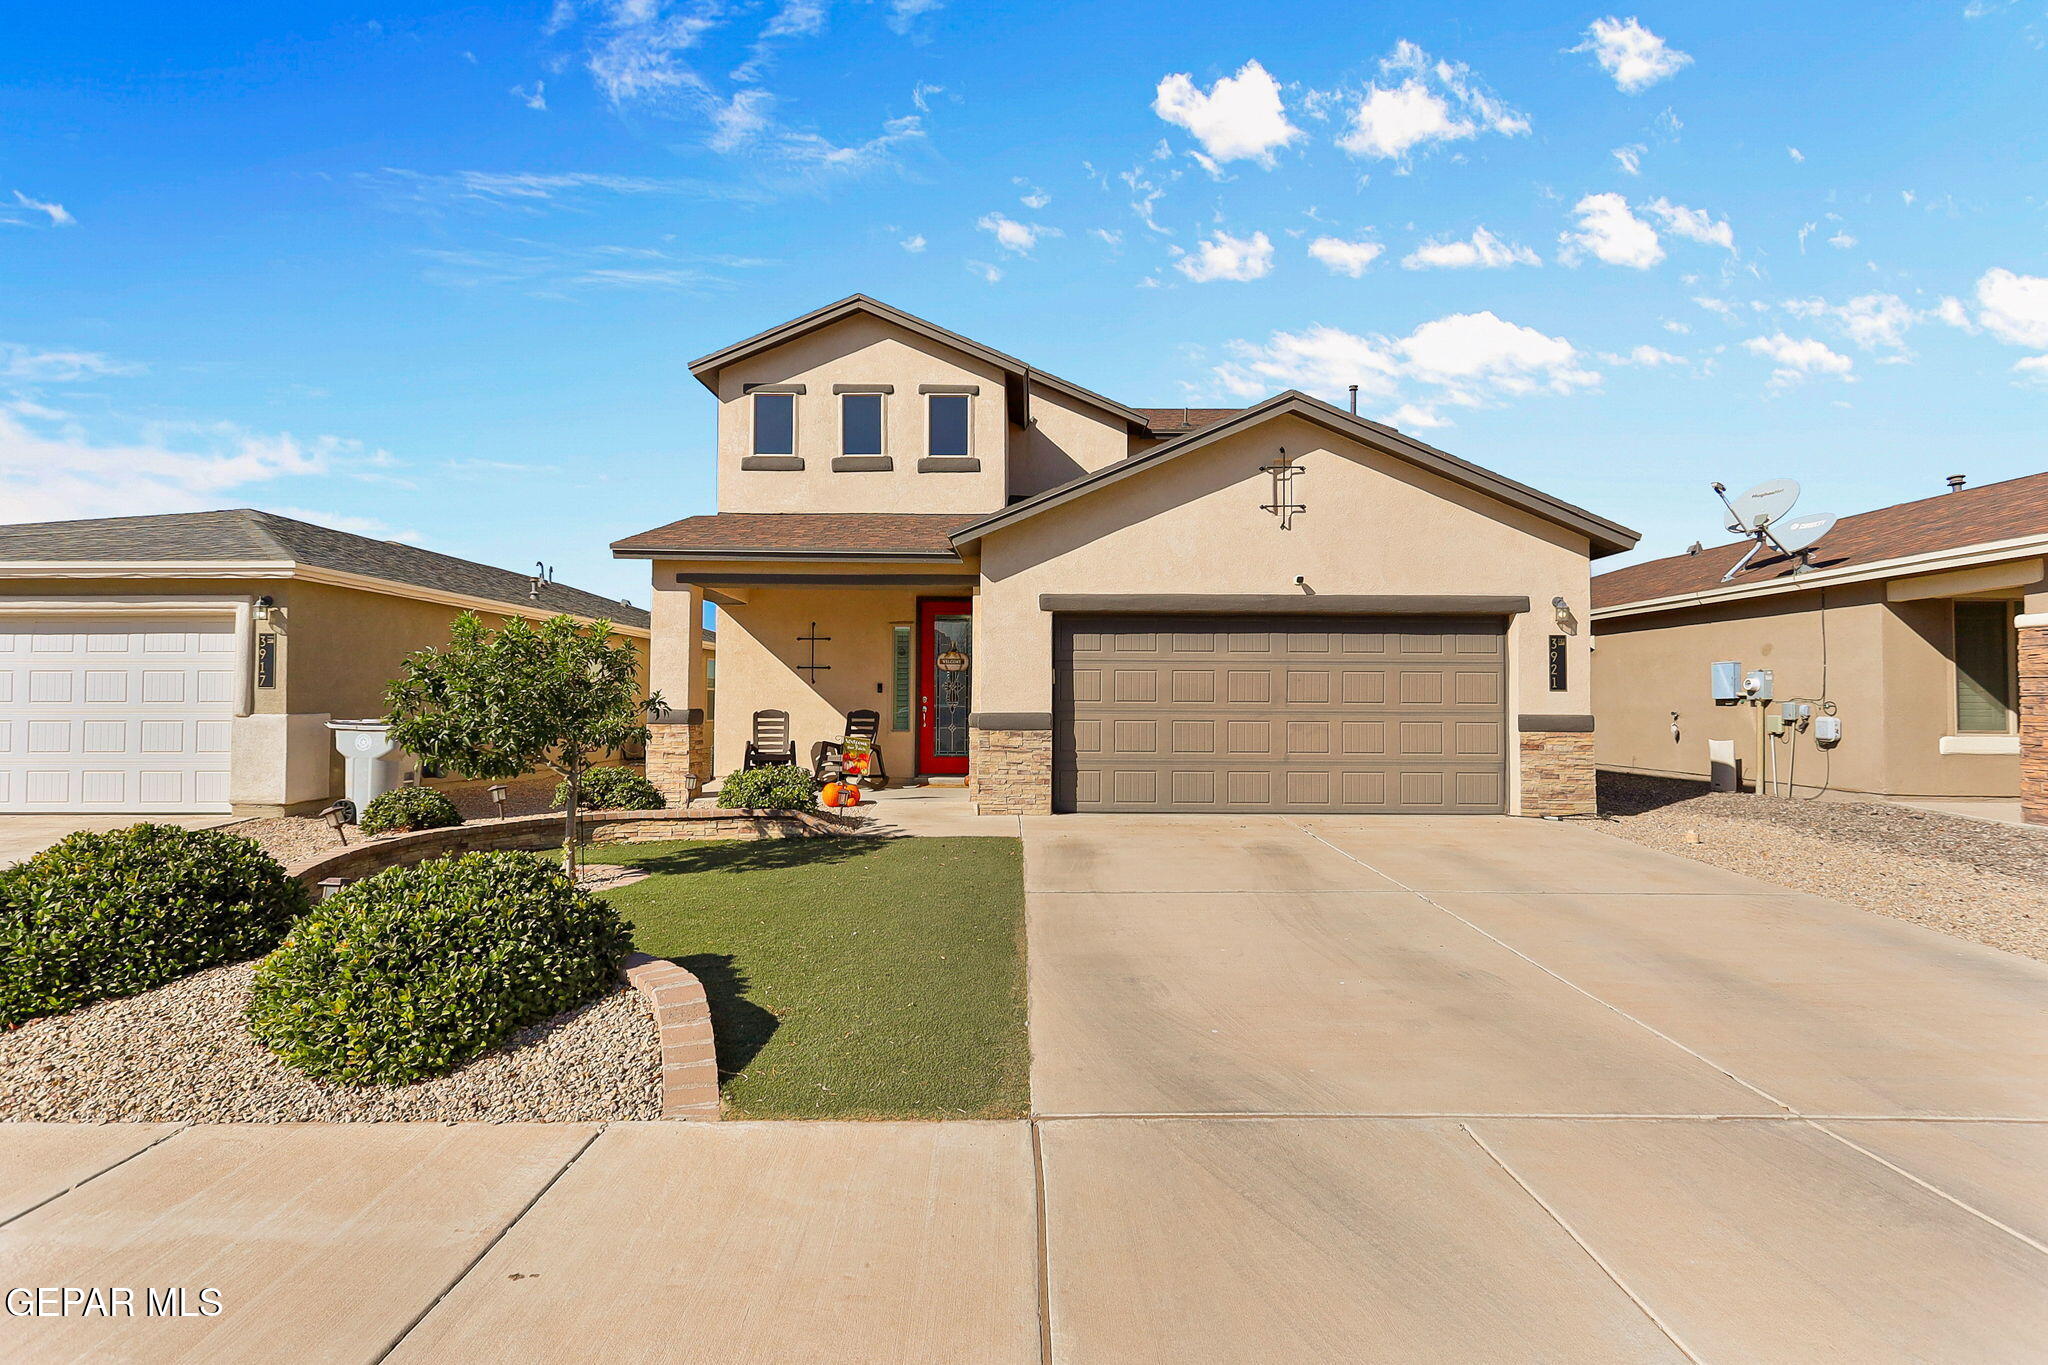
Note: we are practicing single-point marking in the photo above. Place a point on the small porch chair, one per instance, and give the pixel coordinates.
(827, 754)
(771, 744)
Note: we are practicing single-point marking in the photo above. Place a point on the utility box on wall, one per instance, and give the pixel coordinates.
(1725, 678)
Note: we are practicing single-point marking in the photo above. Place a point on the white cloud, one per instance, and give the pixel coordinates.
(1345, 258)
(914, 243)
(1239, 118)
(2014, 308)
(1610, 232)
(1108, 236)
(536, 98)
(2033, 369)
(1033, 197)
(27, 365)
(1012, 235)
(1798, 360)
(990, 273)
(1841, 241)
(1224, 257)
(1433, 102)
(1634, 56)
(1630, 158)
(1875, 322)
(1482, 250)
(1795, 154)
(58, 215)
(904, 14)
(1697, 224)
(738, 121)
(1464, 360)
(1951, 311)
(1649, 357)
(51, 469)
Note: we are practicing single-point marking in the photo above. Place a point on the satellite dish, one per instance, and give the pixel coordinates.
(1763, 504)
(1795, 535)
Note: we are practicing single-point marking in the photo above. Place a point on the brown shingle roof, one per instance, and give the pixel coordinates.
(1946, 521)
(1180, 421)
(243, 534)
(819, 534)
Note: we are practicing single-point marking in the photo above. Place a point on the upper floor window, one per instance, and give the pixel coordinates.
(775, 424)
(1986, 667)
(947, 428)
(860, 424)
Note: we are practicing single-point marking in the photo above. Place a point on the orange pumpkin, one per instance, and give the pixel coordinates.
(840, 794)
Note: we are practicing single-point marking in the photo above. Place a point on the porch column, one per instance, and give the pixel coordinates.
(2033, 670)
(678, 736)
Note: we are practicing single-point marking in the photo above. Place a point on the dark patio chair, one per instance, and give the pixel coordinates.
(771, 744)
(827, 754)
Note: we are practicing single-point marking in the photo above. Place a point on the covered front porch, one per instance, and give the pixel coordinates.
(818, 643)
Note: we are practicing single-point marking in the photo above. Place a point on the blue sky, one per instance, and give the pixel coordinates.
(437, 274)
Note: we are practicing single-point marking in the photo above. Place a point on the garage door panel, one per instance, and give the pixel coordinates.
(117, 714)
(1304, 716)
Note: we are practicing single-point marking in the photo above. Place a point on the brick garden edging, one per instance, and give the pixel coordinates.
(682, 1021)
(535, 832)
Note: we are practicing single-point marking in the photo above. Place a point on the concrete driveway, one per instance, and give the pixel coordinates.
(1308, 1090)
(24, 836)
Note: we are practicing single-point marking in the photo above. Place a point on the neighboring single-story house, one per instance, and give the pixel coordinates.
(1073, 604)
(190, 662)
(1922, 625)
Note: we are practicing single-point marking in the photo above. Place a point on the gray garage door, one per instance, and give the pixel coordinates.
(1333, 714)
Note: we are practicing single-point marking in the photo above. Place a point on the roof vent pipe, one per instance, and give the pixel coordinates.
(1354, 400)
(1955, 483)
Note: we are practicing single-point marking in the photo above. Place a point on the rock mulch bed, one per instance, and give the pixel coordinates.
(295, 838)
(182, 1053)
(1975, 880)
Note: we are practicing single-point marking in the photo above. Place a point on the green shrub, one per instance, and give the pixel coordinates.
(613, 789)
(409, 808)
(782, 787)
(100, 915)
(411, 972)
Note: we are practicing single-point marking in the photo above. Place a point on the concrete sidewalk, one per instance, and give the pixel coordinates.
(1307, 1090)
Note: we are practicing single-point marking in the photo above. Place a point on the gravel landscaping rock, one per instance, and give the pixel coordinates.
(1984, 882)
(183, 1053)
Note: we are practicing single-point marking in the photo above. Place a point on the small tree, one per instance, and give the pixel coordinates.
(499, 703)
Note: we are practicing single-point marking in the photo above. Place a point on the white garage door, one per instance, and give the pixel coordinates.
(115, 714)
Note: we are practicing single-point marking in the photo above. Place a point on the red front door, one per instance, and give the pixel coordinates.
(945, 673)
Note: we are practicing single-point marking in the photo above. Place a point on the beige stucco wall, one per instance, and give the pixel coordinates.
(860, 350)
(1193, 525)
(1888, 667)
(1066, 439)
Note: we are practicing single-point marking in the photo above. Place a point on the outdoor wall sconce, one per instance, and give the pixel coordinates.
(264, 604)
(499, 791)
(1566, 622)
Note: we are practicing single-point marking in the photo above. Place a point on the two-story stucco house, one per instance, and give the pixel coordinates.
(1077, 605)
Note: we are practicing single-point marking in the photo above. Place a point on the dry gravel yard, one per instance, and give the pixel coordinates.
(181, 1053)
(1979, 881)
(293, 838)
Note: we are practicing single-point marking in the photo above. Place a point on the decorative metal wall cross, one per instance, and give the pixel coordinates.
(812, 669)
(1283, 504)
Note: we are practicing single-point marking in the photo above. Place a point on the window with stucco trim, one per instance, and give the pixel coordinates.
(1987, 676)
(775, 424)
(900, 679)
(860, 424)
(947, 426)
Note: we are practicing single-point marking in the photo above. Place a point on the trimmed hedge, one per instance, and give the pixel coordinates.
(613, 789)
(409, 808)
(414, 971)
(101, 915)
(781, 787)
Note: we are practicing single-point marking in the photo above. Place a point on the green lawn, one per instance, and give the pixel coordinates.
(849, 977)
